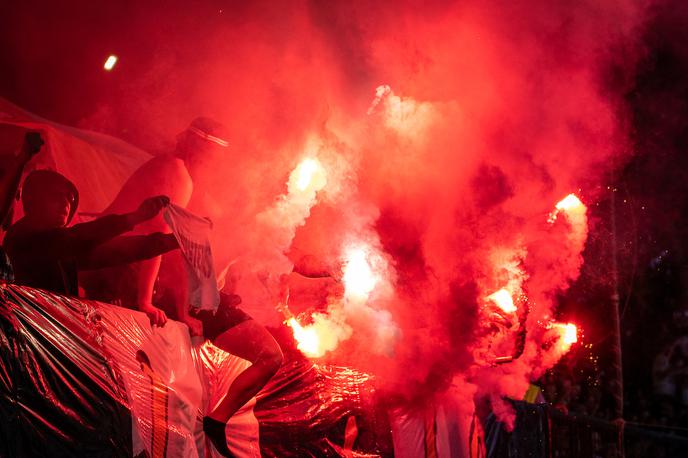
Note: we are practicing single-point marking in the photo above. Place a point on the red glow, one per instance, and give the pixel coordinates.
(420, 139)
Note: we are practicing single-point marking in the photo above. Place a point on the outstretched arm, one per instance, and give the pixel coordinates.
(82, 238)
(77, 241)
(9, 182)
(128, 249)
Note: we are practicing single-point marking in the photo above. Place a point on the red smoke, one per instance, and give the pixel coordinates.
(493, 112)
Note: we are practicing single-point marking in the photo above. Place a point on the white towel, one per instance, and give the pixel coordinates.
(192, 233)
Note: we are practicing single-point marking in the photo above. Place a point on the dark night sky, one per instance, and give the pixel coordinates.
(53, 52)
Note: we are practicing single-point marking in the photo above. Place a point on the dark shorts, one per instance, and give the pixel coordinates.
(227, 316)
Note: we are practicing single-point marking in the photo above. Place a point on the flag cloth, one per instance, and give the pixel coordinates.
(192, 232)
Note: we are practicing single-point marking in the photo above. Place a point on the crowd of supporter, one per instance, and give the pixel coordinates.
(46, 252)
(44, 249)
(655, 362)
(578, 393)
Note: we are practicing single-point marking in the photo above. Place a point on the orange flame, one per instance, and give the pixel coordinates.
(307, 339)
(569, 202)
(571, 205)
(503, 300)
(568, 335)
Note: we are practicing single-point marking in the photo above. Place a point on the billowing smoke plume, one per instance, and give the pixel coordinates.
(448, 132)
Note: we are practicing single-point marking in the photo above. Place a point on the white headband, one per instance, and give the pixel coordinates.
(207, 136)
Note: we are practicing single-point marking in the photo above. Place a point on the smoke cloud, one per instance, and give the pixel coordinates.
(448, 132)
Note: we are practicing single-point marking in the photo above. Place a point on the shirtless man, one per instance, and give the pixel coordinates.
(198, 148)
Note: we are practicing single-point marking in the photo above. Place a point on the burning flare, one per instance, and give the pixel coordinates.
(308, 176)
(570, 202)
(503, 300)
(359, 278)
(307, 339)
(305, 173)
(321, 336)
(362, 273)
(568, 335)
(571, 206)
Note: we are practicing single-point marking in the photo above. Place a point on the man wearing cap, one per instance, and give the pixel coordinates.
(169, 175)
(47, 254)
(199, 149)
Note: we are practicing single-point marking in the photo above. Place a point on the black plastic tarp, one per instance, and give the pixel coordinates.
(58, 394)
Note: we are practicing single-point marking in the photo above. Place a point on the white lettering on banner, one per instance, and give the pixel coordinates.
(199, 256)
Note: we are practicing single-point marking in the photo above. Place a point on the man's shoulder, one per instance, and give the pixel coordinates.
(161, 175)
(169, 161)
(165, 167)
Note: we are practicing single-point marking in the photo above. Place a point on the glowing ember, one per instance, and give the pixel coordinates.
(569, 202)
(110, 62)
(306, 338)
(503, 300)
(359, 279)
